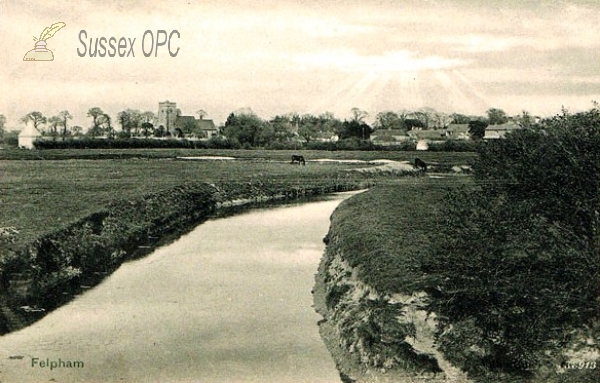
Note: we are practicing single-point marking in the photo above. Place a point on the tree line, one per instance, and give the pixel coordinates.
(246, 129)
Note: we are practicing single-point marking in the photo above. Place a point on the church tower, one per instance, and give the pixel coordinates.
(167, 114)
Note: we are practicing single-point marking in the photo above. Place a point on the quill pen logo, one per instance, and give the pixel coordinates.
(41, 53)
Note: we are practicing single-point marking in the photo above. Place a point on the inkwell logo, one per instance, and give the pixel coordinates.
(41, 53)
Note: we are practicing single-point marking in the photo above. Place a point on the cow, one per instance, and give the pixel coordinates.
(420, 164)
(298, 160)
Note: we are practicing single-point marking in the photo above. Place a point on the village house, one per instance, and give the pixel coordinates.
(389, 136)
(458, 131)
(28, 136)
(494, 132)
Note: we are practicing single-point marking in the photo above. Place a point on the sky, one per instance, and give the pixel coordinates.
(277, 57)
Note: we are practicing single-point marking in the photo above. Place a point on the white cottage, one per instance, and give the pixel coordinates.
(422, 145)
(27, 136)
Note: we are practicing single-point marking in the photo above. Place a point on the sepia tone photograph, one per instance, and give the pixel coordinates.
(286, 191)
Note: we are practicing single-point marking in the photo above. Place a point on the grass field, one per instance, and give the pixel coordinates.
(37, 196)
(263, 155)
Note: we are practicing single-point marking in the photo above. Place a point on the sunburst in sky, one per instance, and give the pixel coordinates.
(277, 57)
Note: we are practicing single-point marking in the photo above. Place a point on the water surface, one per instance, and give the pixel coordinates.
(228, 302)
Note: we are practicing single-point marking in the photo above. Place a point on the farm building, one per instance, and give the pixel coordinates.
(494, 132)
(458, 131)
(28, 136)
(427, 134)
(389, 136)
(423, 145)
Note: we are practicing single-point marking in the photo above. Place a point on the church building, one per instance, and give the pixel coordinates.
(176, 125)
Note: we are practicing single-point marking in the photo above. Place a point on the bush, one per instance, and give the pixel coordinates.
(279, 145)
(10, 139)
(122, 143)
(454, 146)
(517, 258)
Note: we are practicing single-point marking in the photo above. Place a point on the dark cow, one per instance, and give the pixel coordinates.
(298, 160)
(420, 164)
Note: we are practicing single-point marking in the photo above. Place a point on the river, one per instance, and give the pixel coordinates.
(228, 302)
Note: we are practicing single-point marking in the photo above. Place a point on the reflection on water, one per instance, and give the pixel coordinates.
(228, 302)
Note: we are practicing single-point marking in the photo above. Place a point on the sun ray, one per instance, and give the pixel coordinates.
(325, 103)
(348, 99)
(455, 96)
(478, 99)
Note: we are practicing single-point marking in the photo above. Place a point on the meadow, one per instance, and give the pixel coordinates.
(250, 154)
(43, 190)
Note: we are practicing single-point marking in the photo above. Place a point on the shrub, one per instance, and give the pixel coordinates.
(517, 258)
(454, 146)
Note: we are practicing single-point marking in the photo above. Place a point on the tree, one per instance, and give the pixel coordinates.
(160, 131)
(53, 123)
(525, 119)
(96, 114)
(357, 129)
(309, 127)
(36, 118)
(330, 124)
(148, 116)
(282, 128)
(496, 116)
(2, 123)
(426, 116)
(526, 240)
(129, 120)
(477, 129)
(123, 118)
(411, 123)
(147, 129)
(64, 117)
(106, 121)
(358, 115)
(76, 130)
(458, 118)
(246, 128)
(441, 120)
(389, 120)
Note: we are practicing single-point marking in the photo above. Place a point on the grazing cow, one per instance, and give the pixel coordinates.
(420, 164)
(298, 160)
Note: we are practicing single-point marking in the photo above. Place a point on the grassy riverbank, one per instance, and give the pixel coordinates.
(370, 265)
(369, 289)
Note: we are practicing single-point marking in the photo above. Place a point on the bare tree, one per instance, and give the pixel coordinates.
(37, 118)
(106, 120)
(2, 123)
(64, 116)
(358, 115)
(97, 117)
(53, 123)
